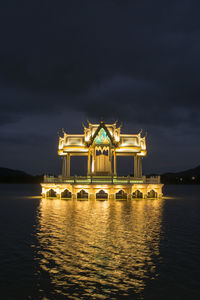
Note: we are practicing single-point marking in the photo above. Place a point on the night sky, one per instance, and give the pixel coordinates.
(63, 62)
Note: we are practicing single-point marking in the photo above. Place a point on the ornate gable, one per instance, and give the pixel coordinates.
(102, 136)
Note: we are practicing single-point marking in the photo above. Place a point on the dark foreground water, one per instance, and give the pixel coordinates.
(138, 249)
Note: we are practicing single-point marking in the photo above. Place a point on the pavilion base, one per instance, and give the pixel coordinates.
(101, 191)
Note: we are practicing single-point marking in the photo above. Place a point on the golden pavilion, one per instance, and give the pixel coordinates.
(102, 144)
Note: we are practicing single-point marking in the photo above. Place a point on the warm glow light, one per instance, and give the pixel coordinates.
(117, 138)
(75, 149)
(87, 138)
(102, 152)
(125, 150)
(60, 146)
(93, 166)
(129, 145)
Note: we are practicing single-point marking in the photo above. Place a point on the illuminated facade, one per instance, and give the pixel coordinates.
(102, 144)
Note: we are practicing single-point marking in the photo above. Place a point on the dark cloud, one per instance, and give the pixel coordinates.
(137, 61)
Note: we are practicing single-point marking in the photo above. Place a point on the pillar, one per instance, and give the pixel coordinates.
(63, 166)
(68, 165)
(89, 163)
(135, 166)
(110, 158)
(93, 162)
(115, 164)
(74, 197)
(139, 167)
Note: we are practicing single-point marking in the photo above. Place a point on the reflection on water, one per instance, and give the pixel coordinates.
(97, 249)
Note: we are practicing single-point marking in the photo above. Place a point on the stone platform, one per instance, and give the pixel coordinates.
(101, 187)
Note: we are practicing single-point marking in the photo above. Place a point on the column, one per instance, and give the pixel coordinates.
(63, 166)
(138, 171)
(135, 166)
(73, 193)
(93, 161)
(89, 163)
(139, 167)
(68, 165)
(110, 158)
(115, 164)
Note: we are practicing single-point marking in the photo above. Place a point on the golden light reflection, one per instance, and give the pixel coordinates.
(98, 247)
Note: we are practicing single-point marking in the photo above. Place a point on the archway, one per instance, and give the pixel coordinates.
(137, 194)
(121, 195)
(101, 195)
(66, 194)
(152, 194)
(82, 194)
(51, 194)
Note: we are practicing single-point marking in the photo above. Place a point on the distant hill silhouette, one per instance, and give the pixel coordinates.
(189, 176)
(17, 176)
(10, 172)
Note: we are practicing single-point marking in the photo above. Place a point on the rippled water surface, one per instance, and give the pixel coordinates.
(136, 249)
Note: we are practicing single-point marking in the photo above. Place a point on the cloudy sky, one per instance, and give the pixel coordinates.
(63, 62)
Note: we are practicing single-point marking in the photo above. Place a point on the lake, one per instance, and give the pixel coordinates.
(64, 249)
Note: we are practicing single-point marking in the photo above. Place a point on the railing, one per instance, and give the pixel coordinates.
(101, 179)
(152, 179)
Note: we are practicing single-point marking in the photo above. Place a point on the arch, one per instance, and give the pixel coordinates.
(101, 195)
(66, 194)
(121, 195)
(98, 152)
(82, 194)
(51, 194)
(105, 152)
(137, 194)
(152, 194)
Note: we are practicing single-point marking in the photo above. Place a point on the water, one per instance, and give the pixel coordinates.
(138, 249)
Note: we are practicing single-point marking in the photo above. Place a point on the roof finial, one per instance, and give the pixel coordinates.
(141, 130)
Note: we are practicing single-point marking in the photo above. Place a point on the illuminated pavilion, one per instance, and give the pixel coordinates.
(102, 144)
